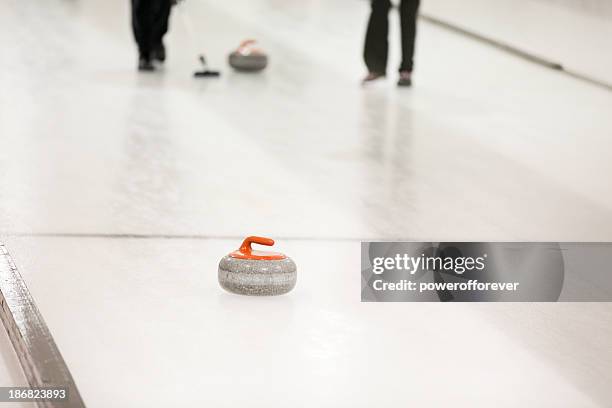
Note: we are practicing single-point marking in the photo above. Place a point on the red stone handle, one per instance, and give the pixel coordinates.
(246, 249)
(246, 252)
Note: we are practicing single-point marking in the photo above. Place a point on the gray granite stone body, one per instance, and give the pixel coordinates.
(255, 62)
(257, 277)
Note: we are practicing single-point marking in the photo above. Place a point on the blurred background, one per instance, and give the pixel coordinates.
(574, 33)
(121, 190)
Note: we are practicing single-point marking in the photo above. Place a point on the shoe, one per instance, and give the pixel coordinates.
(405, 78)
(371, 77)
(159, 53)
(145, 63)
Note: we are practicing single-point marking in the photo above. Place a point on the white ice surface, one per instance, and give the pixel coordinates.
(574, 33)
(484, 147)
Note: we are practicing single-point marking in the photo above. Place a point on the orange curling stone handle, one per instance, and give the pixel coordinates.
(248, 47)
(246, 252)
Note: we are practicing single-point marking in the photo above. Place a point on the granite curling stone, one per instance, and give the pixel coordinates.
(248, 57)
(257, 273)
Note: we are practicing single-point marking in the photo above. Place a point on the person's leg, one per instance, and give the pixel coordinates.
(142, 27)
(409, 10)
(162, 15)
(136, 25)
(376, 41)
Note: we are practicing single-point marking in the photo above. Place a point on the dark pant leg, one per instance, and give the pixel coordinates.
(142, 25)
(376, 42)
(409, 10)
(150, 23)
(162, 16)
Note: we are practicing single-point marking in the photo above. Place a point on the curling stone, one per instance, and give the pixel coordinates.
(248, 57)
(257, 273)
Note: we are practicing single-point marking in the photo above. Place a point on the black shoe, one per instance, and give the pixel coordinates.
(145, 63)
(159, 53)
(405, 78)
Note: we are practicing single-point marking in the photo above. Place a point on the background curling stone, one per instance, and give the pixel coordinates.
(257, 273)
(248, 57)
